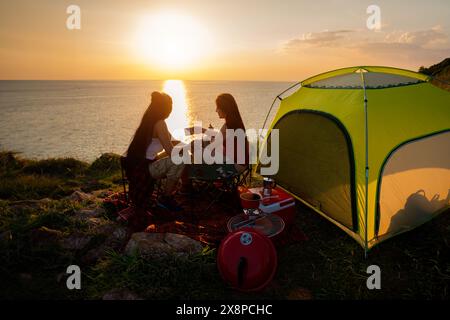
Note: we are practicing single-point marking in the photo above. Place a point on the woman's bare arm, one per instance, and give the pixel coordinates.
(164, 136)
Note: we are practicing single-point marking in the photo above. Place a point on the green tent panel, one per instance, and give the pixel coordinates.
(393, 122)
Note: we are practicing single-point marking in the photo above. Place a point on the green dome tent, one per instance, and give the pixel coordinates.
(368, 148)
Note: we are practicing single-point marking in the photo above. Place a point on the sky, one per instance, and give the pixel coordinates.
(261, 40)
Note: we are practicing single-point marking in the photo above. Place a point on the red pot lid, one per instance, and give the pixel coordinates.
(247, 260)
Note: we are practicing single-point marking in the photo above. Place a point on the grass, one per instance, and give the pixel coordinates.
(22, 179)
(168, 278)
(414, 265)
(22, 255)
(330, 265)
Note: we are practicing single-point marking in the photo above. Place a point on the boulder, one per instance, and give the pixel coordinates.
(80, 196)
(158, 245)
(98, 224)
(87, 213)
(148, 244)
(120, 234)
(115, 240)
(182, 243)
(44, 235)
(102, 193)
(76, 241)
(105, 227)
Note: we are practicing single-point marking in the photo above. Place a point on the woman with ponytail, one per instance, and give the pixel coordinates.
(143, 161)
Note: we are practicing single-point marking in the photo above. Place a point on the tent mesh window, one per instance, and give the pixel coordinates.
(315, 163)
(414, 183)
(373, 80)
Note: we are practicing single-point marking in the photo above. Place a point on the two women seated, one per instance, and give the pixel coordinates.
(144, 163)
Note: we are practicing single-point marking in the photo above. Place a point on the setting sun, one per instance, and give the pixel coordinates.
(178, 119)
(170, 40)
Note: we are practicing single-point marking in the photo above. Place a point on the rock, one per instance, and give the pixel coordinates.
(95, 254)
(86, 213)
(76, 241)
(114, 241)
(115, 237)
(157, 245)
(148, 244)
(80, 196)
(45, 235)
(182, 243)
(102, 226)
(121, 294)
(95, 223)
(120, 234)
(102, 193)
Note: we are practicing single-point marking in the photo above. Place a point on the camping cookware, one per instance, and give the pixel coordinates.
(250, 200)
(247, 260)
(269, 225)
(268, 185)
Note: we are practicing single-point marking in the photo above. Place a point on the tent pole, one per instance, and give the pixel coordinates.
(366, 134)
(268, 113)
(274, 100)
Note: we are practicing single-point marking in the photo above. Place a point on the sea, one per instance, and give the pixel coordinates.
(83, 119)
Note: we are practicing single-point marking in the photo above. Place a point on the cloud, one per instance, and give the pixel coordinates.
(410, 48)
(318, 39)
(434, 38)
(418, 47)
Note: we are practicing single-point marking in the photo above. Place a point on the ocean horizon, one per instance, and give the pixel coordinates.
(85, 118)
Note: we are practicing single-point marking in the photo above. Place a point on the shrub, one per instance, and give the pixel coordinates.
(9, 162)
(107, 163)
(31, 187)
(61, 167)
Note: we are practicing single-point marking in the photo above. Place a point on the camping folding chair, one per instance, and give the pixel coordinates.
(154, 184)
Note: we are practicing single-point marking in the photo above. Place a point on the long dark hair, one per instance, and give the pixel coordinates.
(233, 120)
(159, 109)
(228, 105)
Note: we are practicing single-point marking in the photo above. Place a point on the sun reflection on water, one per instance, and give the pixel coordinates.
(178, 119)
